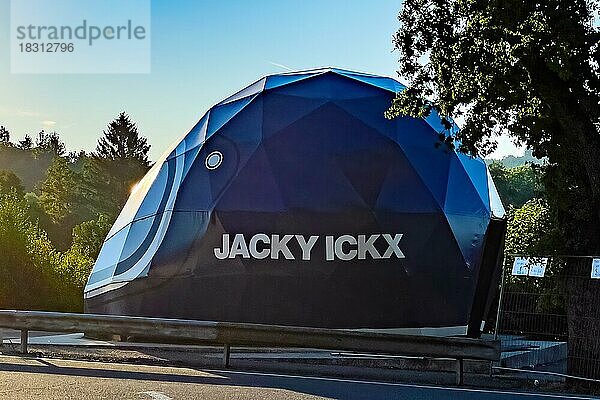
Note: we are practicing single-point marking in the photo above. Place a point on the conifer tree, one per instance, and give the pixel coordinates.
(4, 136)
(26, 143)
(50, 142)
(121, 140)
(57, 192)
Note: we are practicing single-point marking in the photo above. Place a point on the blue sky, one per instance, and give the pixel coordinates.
(202, 51)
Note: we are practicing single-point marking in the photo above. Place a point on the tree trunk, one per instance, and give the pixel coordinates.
(581, 135)
(583, 318)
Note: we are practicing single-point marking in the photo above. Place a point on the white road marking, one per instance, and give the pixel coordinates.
(156, 395)
(408, 385)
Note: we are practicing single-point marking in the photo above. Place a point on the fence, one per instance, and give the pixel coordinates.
(549, 315)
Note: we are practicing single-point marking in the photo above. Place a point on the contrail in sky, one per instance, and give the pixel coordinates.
(280, 65)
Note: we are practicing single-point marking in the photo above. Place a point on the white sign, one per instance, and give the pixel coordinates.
(344, 247)
(530, 266)
(537, 267)
(520, 267)
(596, 268)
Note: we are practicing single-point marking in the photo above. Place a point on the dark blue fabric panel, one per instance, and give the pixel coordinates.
(198, 194)
(185, 228)
(188, 158)
(245, 130)
(220, 115)
(370, 111)
(368, 170)
(328, 86)
(414, 136)
(461, 196)
(469, 232)
(435, 122)
(255, 188)
(477, 171)
(381, 82)
(309, 179)
(395, 194)
(430, 160)
(283, 110)
(315, 161)
(274, 81)
(201, 187)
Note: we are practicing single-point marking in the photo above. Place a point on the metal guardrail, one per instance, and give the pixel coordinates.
(229, 334)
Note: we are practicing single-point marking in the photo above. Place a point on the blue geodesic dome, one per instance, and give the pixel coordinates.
(221, 227)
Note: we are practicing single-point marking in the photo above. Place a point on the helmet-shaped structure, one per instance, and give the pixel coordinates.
(296, 202)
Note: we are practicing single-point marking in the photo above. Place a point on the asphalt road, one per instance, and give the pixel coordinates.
(37, 378)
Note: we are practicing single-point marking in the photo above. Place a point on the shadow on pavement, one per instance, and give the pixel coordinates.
(329, 388)
(325, 388)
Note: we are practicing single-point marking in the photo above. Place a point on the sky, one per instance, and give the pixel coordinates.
(201, 52)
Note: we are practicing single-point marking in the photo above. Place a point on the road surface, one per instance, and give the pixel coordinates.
(39, 378)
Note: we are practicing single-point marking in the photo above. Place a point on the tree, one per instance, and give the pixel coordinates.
(26, 143)
(57, 192)
(78, 261)
(517, 185)
(27, 260)
(4, 136)
(119, 162)
(10, 182)
(122, 140)
(50, 143)
(529, 69)
(89, 236)
(525, 68)
(530, 229)
(104, 183)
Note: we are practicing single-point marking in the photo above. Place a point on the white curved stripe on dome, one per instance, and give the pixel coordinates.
(140, 190)
(145, 260)
(107, 288)
(137, 196)
(495, 202)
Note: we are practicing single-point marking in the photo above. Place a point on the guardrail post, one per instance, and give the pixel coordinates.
(226, 354)
(24, 338)
(500, 298)
(459, 372)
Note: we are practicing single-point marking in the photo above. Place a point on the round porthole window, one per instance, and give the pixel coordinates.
(214, 160)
